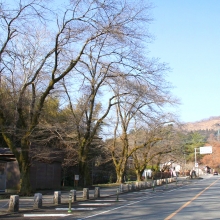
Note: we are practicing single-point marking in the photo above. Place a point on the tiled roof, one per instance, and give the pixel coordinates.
(6, 155)
(5, 151)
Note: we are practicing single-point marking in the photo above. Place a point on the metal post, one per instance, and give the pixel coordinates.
(195, 157)
(70, 200)
(196, 165)
(184, 164)
(117, 194)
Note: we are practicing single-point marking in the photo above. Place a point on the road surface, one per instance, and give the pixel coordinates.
(197, 199)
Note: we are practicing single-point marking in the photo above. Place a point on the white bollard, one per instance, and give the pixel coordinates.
(73, 194)
(37, 200)
(97, 192)
(145, 184)
(57, 197)
(85, 193)
(132, 187)
(121, 188)
(13, 203)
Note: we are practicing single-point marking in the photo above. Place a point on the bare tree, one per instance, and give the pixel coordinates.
(157, 140)
(147, 95)
(102, 63)
(35, 58)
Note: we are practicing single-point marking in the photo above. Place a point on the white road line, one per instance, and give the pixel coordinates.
(114, 209)
(75, 209)
(120, 200)
(129, 204)
(45, 215)
(94, 204)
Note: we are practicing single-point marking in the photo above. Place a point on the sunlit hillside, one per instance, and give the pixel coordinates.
(213, 123)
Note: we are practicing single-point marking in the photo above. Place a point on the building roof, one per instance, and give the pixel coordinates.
(48, 157)
(6, 155)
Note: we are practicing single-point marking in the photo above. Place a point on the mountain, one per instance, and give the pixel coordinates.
(213, 123)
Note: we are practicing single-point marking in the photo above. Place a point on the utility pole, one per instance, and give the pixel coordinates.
(196, 164)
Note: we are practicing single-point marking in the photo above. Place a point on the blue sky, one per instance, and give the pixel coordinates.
(187, 37)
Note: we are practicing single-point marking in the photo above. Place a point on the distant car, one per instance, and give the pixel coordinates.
(215, 173)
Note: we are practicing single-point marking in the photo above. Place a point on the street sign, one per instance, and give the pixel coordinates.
(206, 150)
(76, 180)
(196, 165)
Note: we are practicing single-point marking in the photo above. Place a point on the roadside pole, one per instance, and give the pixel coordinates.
(70, 201)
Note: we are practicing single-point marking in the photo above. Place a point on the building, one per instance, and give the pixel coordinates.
(43, 175)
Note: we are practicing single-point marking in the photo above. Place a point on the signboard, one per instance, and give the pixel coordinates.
(206, 150)
(76, 179)
(196, 165)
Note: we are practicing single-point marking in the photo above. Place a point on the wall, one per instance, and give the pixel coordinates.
(2, 176)
(45, 176)
(12, 176)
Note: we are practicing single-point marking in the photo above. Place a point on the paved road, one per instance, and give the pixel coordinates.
(199, 200)
(184, 200)
(195, 201)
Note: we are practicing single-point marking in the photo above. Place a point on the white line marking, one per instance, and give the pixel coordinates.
(65, 209)
(116, 208)
(91, 204)
(46, 215)
(150, 197)
(121, 200)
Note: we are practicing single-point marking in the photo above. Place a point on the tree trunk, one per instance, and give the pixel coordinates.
(120, 171)
(120, 178)
(24, 166)
(85, 179)
(138, 175)
(25, 189)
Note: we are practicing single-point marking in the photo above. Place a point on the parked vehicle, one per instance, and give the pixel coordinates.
(215, 173)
